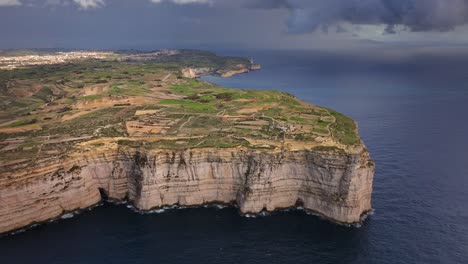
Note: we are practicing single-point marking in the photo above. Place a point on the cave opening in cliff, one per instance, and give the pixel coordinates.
(104, 195)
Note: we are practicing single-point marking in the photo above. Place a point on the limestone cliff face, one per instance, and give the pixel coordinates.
(239, 69)
(336, 185)
(196, 72)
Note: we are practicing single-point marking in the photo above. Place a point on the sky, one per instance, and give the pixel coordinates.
(233, 24)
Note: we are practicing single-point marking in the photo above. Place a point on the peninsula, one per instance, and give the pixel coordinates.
(79, 127)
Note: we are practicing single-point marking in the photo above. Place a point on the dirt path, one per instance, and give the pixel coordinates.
(167, 77)
(201, 142)
(330, 133)
(186, 122)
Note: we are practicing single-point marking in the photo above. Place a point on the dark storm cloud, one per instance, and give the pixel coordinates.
(223, 23)
(268, 4)
(310, 15)
(415, 15)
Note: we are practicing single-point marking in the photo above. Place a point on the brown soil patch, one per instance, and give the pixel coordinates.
(95, 89)
(135, 128)
(110, 102)
(9, 147)
(22, 88)
(75, 115)
(255, 109)
(10, 130)
(146, 112)
(8, 123)
(255, 123)
(252, 110)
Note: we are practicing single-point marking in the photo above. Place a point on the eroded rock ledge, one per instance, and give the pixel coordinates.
(337, 185)
(225, 73)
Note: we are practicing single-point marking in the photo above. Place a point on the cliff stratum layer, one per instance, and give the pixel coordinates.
(132, 127)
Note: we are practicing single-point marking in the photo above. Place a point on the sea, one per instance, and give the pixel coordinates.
(412, 111)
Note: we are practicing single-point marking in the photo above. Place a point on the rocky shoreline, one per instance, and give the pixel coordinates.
(161, 210)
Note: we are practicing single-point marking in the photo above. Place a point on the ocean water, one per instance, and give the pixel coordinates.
(412, 113)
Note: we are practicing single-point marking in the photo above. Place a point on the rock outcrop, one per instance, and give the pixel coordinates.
(334, 184)
(196, 72)
(238, 69)
(225, 73)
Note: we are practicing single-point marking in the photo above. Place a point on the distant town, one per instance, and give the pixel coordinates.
(17, 59)
(12, 62)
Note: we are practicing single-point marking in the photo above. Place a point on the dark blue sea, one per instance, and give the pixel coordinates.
(413, 116)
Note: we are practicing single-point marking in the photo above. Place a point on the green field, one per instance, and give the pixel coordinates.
(148, 99)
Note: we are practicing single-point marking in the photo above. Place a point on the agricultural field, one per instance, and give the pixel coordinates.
(143, 100)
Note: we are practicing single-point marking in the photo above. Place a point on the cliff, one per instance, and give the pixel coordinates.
(223, 72)
(134, 129)
(336, 185)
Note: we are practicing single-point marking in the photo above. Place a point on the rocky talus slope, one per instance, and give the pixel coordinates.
(334, 184)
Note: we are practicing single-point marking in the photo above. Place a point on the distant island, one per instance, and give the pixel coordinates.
(77, 127)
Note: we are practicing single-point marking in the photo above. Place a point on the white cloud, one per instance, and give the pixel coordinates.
(10, 3)
(183, 2)
(89, 4)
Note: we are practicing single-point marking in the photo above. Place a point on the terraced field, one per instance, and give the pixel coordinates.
(46, 110)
